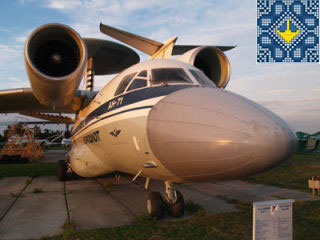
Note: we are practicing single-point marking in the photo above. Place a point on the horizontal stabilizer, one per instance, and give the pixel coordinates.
(181, 49)
(143, 44)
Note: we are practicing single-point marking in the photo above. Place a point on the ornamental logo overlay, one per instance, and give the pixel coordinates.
(287, 31)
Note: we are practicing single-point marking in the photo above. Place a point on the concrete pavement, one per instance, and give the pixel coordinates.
(244, 191)
(90, 206)
(35, 214)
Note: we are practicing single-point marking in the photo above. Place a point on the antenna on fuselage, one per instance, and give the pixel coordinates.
(155, 49)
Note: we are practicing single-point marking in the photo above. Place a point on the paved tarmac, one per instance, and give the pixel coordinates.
(106, 202)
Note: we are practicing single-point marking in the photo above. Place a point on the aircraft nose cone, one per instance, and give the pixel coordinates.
(203, 134)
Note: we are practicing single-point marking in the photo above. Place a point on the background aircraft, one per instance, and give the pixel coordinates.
(307, 142)
(167, 119)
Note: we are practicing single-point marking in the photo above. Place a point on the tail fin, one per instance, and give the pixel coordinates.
(153, 48)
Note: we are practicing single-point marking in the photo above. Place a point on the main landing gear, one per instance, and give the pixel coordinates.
(62, 170)
(173, 202)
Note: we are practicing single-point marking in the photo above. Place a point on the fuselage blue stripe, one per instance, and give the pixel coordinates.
(127, 99)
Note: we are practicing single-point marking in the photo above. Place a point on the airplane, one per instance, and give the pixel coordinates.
(164, 118)
(307, 143)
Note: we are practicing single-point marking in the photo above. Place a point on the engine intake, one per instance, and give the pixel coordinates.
(55, 58)
(212, 61)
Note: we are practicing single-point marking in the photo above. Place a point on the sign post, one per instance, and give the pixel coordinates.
(272, 220)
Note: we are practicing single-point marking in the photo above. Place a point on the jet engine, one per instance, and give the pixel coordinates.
(55, 58)
(212, 61)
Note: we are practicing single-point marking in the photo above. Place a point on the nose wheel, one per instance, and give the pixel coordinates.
(173, 202)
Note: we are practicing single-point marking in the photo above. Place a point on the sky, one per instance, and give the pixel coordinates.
(292, 91)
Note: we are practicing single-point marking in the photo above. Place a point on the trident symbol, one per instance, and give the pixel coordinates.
(288, 35)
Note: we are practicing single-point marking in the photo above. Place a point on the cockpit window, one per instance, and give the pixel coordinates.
(137, 83)
(124, 83)
(143, 73)
(164, 75)
(201, 78)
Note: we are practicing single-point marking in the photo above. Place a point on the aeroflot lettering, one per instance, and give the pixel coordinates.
(91, 138)
(115, 103)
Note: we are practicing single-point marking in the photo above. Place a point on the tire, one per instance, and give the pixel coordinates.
(155, 205)
(62, 170)
(177, 209)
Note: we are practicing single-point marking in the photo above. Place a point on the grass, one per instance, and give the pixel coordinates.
(293, 173)
(31, 170)
(37, 190)
(234, 225)
(195, 228)
(68, 230)
(16, 195)
(107, 186)
(194, 208)
(58, 147)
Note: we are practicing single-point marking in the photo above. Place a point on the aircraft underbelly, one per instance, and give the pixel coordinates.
(86, 163)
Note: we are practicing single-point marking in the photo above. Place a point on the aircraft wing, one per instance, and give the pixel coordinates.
(24, 102)
(55, 72)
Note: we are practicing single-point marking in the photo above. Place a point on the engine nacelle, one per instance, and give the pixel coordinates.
(55, 58)
(212, 61)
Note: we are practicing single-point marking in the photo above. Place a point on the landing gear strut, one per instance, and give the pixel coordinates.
(173, 202)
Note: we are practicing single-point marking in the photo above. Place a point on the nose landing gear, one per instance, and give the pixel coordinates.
(173, 202)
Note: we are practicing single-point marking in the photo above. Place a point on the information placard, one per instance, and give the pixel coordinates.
(272, 220)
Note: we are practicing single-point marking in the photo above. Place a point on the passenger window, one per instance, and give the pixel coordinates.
(137, 83)
(202, 79)
(124, 83)
(143, 73)
(164, 75)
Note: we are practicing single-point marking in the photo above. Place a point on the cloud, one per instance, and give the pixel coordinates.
(8, 51)
(315, 90)
(62, 5)
(4, 30)
(279, 91)
(302, 114)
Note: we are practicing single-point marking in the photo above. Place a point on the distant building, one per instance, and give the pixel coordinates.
(307, 142)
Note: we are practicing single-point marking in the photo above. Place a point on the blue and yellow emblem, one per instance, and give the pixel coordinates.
(288, 31)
